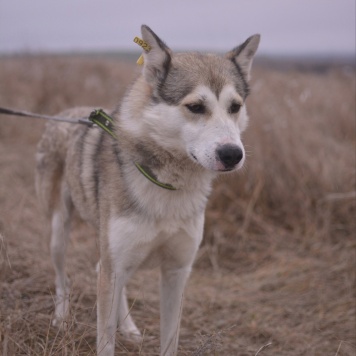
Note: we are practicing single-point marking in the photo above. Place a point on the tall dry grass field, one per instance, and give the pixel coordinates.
(276, 272)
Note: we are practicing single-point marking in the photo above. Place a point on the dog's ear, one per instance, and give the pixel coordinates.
(158, 59)
(243, 54)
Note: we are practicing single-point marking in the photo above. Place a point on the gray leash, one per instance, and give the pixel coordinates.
(7, 111)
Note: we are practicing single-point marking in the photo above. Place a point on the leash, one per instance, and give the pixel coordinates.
(98, 117)
(8, 111)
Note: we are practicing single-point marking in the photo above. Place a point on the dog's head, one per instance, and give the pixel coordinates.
(197, 102)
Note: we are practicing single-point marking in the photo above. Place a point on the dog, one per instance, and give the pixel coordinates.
(145, 189)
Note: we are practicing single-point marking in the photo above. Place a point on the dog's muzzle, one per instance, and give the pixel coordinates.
(229, 155)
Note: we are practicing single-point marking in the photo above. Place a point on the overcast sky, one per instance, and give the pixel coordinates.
(290, 27)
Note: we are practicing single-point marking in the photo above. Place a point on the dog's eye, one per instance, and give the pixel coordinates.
(234, 108)
(196, 108)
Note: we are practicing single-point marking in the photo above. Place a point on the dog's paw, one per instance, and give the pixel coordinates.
(61, 313)
(56, 322)
(132, 335)
(60, 323)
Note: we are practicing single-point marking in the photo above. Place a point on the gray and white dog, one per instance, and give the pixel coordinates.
(145, 190)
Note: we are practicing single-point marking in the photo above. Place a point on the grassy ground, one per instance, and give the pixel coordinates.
(276, 272)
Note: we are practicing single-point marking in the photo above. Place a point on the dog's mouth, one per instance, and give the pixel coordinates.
(226, 170)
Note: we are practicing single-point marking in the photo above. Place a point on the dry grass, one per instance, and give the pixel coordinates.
(278, 260)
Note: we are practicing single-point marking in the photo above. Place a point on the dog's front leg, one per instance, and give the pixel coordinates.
(120, 258)
(112, 309)
(109, 288)
(180, 254)
(172, 290)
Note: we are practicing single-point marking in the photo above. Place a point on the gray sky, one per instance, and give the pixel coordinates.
(291, 27)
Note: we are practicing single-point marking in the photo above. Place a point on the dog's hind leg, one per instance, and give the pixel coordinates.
(59, 240)
(56, 202)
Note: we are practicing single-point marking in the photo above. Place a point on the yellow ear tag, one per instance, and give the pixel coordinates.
(145, 47)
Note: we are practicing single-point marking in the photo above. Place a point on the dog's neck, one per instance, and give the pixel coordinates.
(172, 169)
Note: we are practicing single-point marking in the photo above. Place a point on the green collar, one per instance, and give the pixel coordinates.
(103, 120)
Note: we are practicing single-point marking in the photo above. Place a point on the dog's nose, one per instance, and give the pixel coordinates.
(229, 155)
